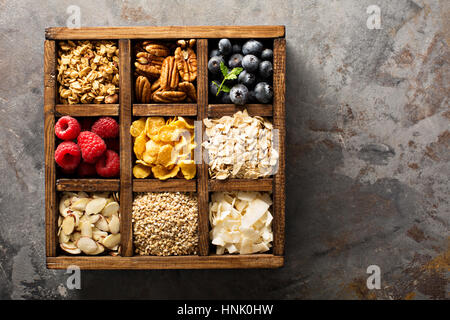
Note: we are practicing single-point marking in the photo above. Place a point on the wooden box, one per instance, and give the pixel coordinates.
(126, 185)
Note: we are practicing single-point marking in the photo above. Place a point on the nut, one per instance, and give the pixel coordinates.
(83, 230)
(113, 98)
(190, 90)
(186, 61)
(156, 49)
(169, 96)
(169, 75)
(148, 64)
(143, 90)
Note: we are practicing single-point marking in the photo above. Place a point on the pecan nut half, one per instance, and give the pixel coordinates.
(190, 90)
(148, 65)
(169, 74)
(156, 49)
(143, 90)
(186, 63)
(168, 96)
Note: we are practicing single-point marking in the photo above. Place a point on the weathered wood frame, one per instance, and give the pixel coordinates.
(126, 110)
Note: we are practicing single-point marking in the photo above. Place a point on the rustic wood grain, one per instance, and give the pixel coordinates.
(202, 168)
(170, 185)
(179, 262)
(142, 110)
(219, 110)
(279, 121)
(169, 32)
(49, 147)
(126, 188)
(240, 185)
(87, 110)
(88, 185)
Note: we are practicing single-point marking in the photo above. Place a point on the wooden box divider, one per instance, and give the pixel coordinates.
(219, 110)
(87, 110)
(125, 110)
(141, 110)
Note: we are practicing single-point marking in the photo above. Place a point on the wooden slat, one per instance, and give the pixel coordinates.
(170, 185)
(240, 185)
(202, 168)
(169, 32)
(88, 185)
(179, 262)
(126, 188)
(87, 110)
(49, 146)
(279, 122)
(219, 110)
(142, 110)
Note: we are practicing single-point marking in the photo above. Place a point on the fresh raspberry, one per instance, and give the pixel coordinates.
(68, 155)
(86, 169)
(112, 144)
(108, 166)
(106, 127)
(91, 145)
(67, 128)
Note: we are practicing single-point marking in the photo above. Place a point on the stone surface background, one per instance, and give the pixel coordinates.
(367, 151)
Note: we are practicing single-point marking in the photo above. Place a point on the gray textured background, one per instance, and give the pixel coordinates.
(367, 151)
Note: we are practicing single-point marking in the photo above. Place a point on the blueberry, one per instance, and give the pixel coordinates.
(214, 64)
(265, 69)
(252, 96)
(213, 89)
(235, 60)
(237, 48)
(239, 94)
(225, 98)
(252, 47)
(267, 54)
(214, 53)
(247, 78)
(225, 46)
(263, 92)
(250, 63)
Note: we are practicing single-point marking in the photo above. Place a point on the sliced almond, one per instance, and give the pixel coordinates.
(60, 220)
(93, 218)
(95, 206)
(103, 195)
(100, 249)
(114, 224)
(62, 204)
(102, 224)
(66, 212)
(110, 209)
(98, 235)
(75, 236)
(80, 204)
(87, 245)
(86, 229)
(70, 248)
(76, 218)
(111, 241)
(68, 225)
(63, 238)
(82, 194)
